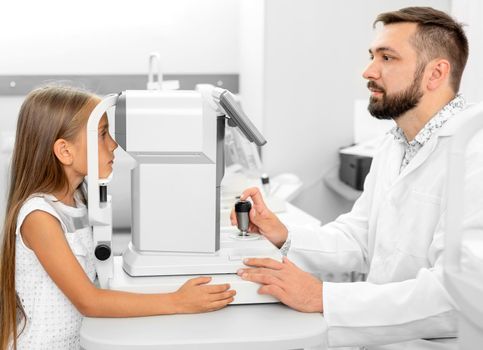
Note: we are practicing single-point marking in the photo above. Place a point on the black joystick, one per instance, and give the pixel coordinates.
(242, 210)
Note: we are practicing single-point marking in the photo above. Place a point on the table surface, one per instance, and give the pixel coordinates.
(262, 326)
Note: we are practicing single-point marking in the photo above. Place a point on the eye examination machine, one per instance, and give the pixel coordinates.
(177, 140)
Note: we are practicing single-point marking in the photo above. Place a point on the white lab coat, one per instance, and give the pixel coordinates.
(395, 233)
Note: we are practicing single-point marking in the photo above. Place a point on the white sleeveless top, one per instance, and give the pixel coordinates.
(53, 322)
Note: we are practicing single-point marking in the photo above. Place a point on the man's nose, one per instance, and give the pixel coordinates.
(371, 72)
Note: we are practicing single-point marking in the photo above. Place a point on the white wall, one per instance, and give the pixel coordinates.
(300, 62)
(313, 55)
(109, 36)
(469, 12)
(252, 55)
(115, 37)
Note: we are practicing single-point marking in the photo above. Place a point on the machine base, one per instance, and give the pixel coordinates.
(227, 260)
(164, 272)
(246, 292)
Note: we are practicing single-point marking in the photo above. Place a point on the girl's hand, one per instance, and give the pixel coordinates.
(197, 296)
(262, 219)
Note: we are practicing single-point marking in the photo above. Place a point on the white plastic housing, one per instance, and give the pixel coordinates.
(172, 135)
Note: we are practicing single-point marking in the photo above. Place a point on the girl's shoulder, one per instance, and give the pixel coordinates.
(37, 202)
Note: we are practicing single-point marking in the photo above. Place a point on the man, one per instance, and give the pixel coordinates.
(395, 231)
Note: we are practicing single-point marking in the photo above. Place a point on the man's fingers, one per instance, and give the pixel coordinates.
(274, 291)
(262, 279)
(259, 270)
(287, 261)
(255, 194)
(253, 228)
(263, 262)
(253, 215)
(233, 217)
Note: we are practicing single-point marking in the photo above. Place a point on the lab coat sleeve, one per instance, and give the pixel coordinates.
(339, 246)
(363, 313)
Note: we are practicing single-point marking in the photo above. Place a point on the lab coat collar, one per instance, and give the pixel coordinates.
(421, 156)
(455, 123)
(448, 129)
(455, 106)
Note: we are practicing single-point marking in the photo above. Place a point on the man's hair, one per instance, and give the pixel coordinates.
(438, 35)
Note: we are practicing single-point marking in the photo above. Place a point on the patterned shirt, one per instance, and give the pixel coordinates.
(411, 148)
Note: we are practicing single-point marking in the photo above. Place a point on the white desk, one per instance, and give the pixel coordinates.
(236, 327)
(262, 326)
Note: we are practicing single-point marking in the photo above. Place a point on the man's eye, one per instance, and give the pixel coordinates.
(386, 58)
(371, 57)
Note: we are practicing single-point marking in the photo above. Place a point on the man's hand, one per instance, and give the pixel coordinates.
(286, 282)
(262, 220)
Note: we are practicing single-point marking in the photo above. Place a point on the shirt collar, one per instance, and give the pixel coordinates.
(451, 108)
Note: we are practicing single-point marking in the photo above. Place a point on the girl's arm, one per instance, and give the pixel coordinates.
(42, 233)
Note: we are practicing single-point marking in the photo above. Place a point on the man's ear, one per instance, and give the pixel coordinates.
(63, 151)
(439, 73)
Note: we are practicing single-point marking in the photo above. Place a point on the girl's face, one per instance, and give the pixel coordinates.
(106, 147)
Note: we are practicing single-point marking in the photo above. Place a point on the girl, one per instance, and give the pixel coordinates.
(47, 263)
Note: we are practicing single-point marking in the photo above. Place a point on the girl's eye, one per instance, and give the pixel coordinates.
(386, 58)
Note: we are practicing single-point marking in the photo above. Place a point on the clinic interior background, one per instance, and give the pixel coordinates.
(299, 64)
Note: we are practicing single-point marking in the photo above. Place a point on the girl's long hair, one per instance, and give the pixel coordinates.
(47, 114)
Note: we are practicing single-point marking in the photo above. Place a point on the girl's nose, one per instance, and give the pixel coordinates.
(114, 144)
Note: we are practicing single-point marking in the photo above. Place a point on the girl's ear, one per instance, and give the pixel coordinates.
(63, 151)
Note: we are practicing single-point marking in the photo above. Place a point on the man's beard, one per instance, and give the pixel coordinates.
(395, 105)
